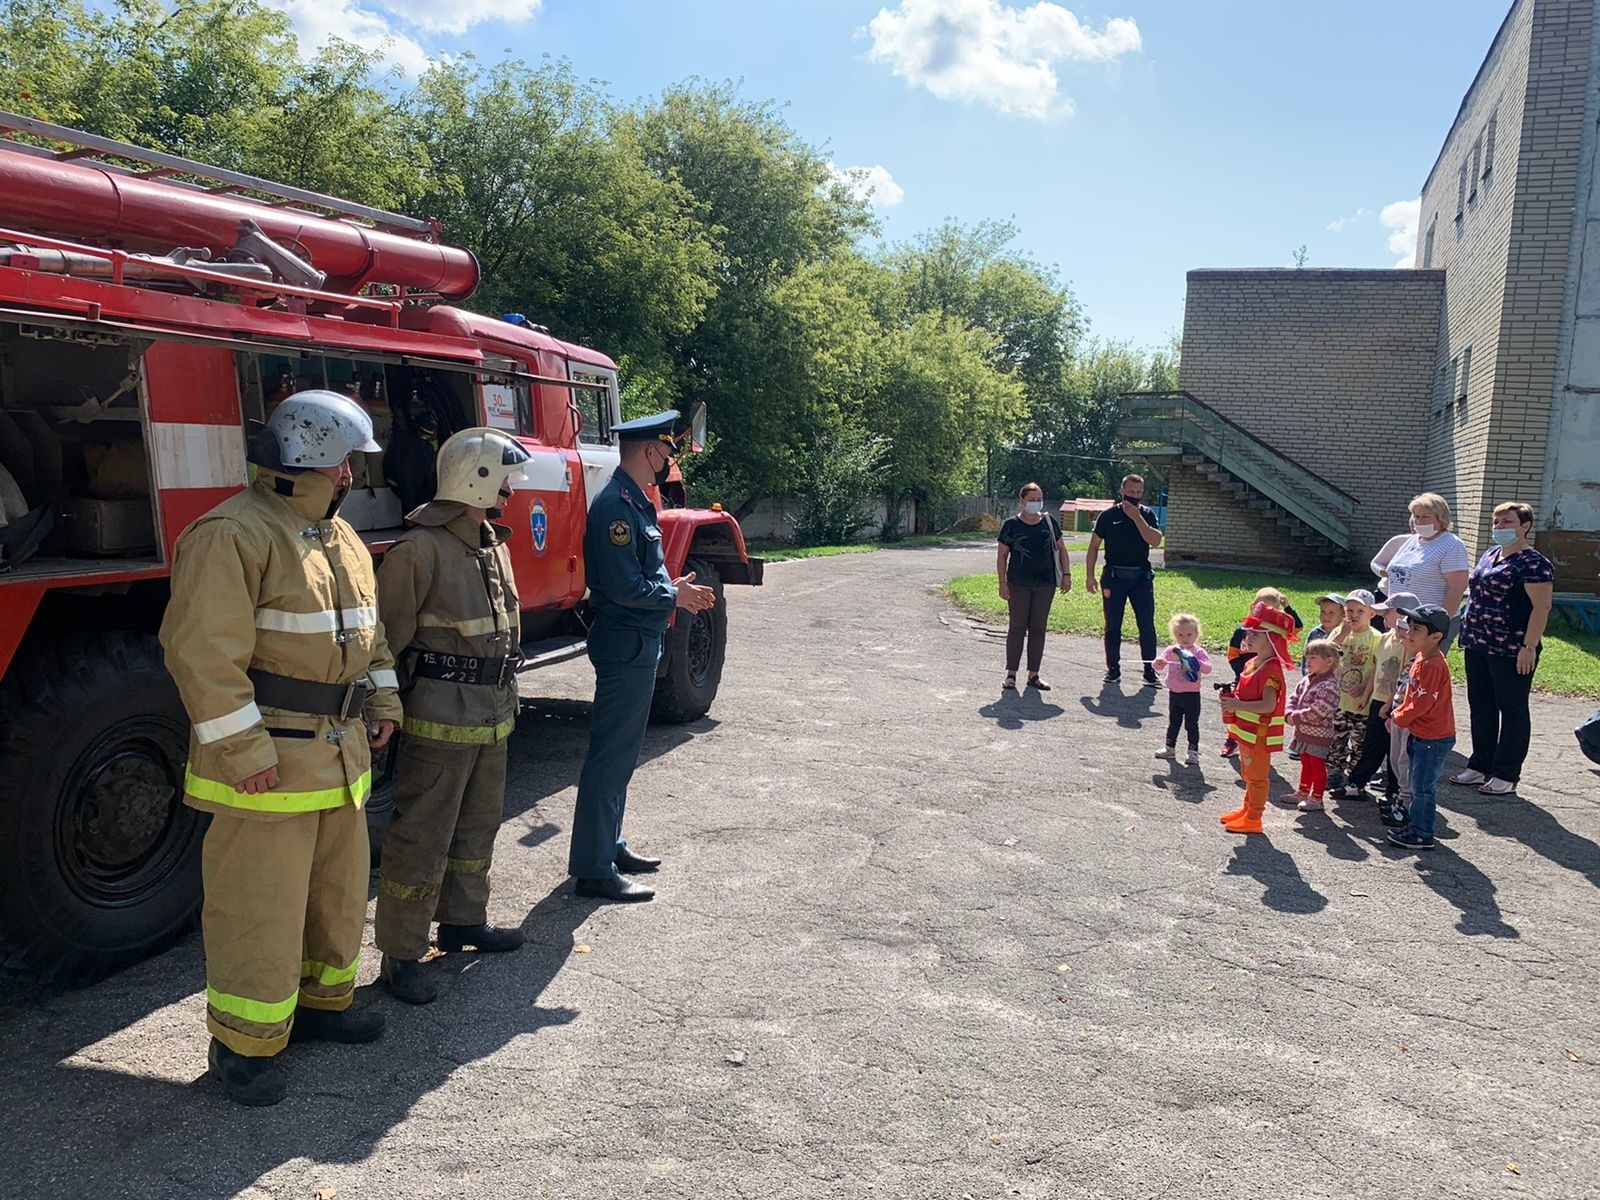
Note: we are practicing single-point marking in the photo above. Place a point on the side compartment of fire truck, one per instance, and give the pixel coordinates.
(99, 861)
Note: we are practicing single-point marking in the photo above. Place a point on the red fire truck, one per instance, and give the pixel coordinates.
(149, 306)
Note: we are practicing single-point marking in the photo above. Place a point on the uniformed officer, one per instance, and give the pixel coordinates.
(272, 635)
(448, 602)
(631, 599)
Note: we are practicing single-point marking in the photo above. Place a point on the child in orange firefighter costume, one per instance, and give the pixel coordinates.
(1253, 710)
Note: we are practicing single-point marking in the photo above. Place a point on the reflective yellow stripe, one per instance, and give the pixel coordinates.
(407, 891)
(461, 735)
(262, 1012)
(1275, 727)
(466, 866)
(224, 793)
(328, 976)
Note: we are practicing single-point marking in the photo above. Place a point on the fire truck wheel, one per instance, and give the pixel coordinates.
(693, 652)
(379, 807)
(99, 856)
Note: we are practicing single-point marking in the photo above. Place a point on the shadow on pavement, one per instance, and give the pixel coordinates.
(1339, 840)
(1471, 891)
(1130, 709)
(1013, 710)
(1185, 783)
(1525, 822)
(89, 1130)
(1284, 888)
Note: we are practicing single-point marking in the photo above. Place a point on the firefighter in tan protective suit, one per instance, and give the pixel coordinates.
(272, 635)
(449, 603)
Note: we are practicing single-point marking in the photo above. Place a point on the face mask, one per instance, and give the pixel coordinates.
(664, 471)
(1134, 500)
(1504, 537)
(1033, 506)
(1424, 529)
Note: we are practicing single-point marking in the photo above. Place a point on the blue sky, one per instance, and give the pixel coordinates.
(1128, 144)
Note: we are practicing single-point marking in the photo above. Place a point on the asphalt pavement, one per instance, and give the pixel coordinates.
(914, 938)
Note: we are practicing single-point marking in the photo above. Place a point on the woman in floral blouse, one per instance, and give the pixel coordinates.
(1508, 605)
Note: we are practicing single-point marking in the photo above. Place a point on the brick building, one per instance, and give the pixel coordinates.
(1477, 372)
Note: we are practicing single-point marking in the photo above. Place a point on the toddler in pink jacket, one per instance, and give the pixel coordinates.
(1186, 661)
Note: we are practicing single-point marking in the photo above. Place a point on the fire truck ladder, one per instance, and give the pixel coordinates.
(105, 154)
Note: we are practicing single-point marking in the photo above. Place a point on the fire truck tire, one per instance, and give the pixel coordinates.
(694, 649)
(379, 808)
(99, 856)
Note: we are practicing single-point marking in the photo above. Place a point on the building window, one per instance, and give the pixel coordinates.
(1477, 161)
(1462, 375)
(1427, 242)
(1445, 388)
(1488, 145)
(1461, 197)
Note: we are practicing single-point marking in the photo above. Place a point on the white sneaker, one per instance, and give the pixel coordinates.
(1469, 777)
(1166, 752)
(1194, 758)
(1497, 787)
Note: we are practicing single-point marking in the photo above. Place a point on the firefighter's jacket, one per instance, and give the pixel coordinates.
(446, 588)
(266, 581)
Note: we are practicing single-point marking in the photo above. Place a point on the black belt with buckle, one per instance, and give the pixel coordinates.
(345, 701)
(463, 668)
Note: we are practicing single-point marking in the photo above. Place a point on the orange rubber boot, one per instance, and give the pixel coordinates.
(1243, 808)
(1248, 821)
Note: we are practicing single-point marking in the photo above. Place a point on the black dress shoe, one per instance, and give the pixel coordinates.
(618, 887)
(407, 981)
(256, 1082)
(490, 939)
(630, 863)
(349, 1026)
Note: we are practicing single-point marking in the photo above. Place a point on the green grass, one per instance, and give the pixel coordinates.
(781, 551)
(1570, 665)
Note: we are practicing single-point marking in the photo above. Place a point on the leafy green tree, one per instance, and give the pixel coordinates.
(527, 167)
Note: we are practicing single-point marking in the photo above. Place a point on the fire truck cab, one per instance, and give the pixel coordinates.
(149, 307)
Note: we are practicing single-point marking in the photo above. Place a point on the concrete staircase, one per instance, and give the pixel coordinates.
(1177, 428)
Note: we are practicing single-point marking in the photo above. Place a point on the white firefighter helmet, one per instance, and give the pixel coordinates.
(475, 464)
(320, 429)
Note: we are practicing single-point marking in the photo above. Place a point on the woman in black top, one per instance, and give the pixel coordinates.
(1031, 564)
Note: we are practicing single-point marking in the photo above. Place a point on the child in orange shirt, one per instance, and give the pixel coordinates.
(1427, 710)
(1253, 710)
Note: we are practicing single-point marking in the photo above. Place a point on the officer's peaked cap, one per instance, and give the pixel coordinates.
(648, 429)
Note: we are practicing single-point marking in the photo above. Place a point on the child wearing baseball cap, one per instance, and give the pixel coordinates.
(1253, 710)
(1427, 711)
(1358, 666)
(1390, 662)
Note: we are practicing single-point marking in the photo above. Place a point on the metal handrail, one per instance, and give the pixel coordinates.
(1321, 505)
(1189, 398)
(120, 258)
(165, 165)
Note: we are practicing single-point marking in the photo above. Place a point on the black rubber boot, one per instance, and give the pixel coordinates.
(488, 938)
(407, 981)
(320, 1025)
(256, 1082)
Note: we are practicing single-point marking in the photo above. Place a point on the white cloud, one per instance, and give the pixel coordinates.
(873, 185)
(395, 26)
(1340, 224)
(1401, 219)
(981, 52)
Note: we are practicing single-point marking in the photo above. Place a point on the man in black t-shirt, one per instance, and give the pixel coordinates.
(1130, 532)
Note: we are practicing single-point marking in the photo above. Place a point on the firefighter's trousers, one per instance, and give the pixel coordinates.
(285, 903)
(447, 801)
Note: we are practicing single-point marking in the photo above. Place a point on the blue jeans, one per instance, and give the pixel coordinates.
(1427, 764)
